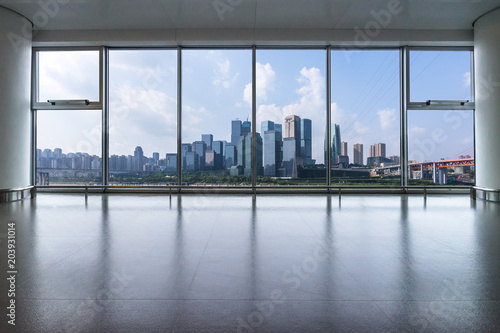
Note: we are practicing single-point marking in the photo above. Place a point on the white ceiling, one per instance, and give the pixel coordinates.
(247, 14)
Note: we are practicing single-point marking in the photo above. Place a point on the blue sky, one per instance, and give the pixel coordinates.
(217, 89)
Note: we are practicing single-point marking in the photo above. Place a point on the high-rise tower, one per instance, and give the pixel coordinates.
(306, 141)
(358, 154)
(272, 143)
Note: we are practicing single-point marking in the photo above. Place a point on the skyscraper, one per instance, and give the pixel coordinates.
(185, 148)
(289, 162)
(272, 152)
(171, 162)
(292, 131)
(235, 132)
(306, 141)
(336, 140)
(358, 154)
(292, 127)
(335, 144)
(230, 156)
(210, 160)
(156, 158)
(208, 139)
(343, 149)
(377, 150)
(266, 126)
(218, 148)
(138, 159)
(200, 147)
(245, 154)
(246, 127)
(372, 151)
(57, 153)
(192, 161)
(380, 149)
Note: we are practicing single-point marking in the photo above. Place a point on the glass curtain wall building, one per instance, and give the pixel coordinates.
(160, 124)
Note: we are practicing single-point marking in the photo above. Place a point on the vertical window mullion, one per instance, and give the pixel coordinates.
(179, 116)
(328, 162)
(104, 97)
(254, 117)
(405, 98)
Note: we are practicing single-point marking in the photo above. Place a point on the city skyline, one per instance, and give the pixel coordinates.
(280, 149)
(365, 100)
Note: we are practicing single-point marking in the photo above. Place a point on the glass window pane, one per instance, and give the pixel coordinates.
(216, 117)
(365, 117)
(291, 116)
(441, 147)
(68, 75)
(69, 148)
(440, 75)
(143, 117)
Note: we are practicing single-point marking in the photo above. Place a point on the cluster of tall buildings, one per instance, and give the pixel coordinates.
(280, 150)
(340, 157)
(378, 156)
(49, 159)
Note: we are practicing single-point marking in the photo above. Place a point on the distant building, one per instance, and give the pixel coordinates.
(192, 161)
(235, 132)
(357, 153)
(171, 162)
(266, 126)
(185, 148)
(377, 150)
(245, 154)
(289, 163)
(138, 159)
(343, 149)
(210, 160)
(200, 147)
(272, 150)
(230, 156)
(378, 160)
(236, 170)
(208, 139)
(218, 148)
(335, 144)
(57, 153)
(246, 127)
(395, 159)
(156, 158)
(306, 141)
(342, 161)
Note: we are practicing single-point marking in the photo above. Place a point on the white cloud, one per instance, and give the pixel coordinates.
(141, 117)
(266, 81)
(360, 128)
(194, 116)
(222, 77)
(387, 118)
(310, 103)
(467, 79)
(466, 140)
(338, 114)
(416, 130)
(69, 75)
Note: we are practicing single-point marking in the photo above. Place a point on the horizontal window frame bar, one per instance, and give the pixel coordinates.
(440, 48)
(70, 107)
(425, 106)
(65, 48)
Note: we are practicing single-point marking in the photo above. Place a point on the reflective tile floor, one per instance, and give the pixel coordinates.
(194, 263)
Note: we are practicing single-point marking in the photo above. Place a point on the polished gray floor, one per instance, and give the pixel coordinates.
(196, 263)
